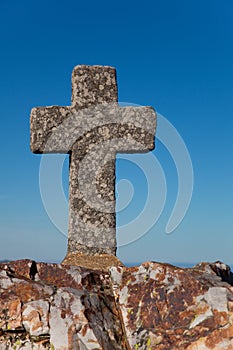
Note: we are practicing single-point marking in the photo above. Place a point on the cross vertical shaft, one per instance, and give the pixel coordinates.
(91, 231)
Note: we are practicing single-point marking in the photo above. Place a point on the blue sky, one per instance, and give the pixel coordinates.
(174, 55)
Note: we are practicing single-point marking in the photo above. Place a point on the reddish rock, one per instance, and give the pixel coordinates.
(10, 314)
(165, 307)
(35, 317)
(58, 307)
(153, 306)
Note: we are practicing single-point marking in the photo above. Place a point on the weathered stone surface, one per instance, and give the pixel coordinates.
(92, 130)
(35, 317)
(65, 307)
(165, 307)
(153, 306)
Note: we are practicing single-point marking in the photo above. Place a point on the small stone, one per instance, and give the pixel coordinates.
(35, 317)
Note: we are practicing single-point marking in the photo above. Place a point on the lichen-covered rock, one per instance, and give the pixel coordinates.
(165, 307)
(35, 317)
(56, 307)
(153, 306)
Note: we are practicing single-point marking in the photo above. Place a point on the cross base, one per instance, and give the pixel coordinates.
(101, 262)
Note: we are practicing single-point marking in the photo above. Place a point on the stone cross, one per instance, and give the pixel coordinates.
(92, 130)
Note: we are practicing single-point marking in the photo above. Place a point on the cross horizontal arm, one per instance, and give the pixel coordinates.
(57, 129)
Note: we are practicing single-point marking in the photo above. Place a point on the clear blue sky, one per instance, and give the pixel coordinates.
(174, 55)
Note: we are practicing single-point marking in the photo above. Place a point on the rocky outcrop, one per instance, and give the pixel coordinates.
(153, 306)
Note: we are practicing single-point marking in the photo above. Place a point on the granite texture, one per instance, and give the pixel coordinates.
(92, 130)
